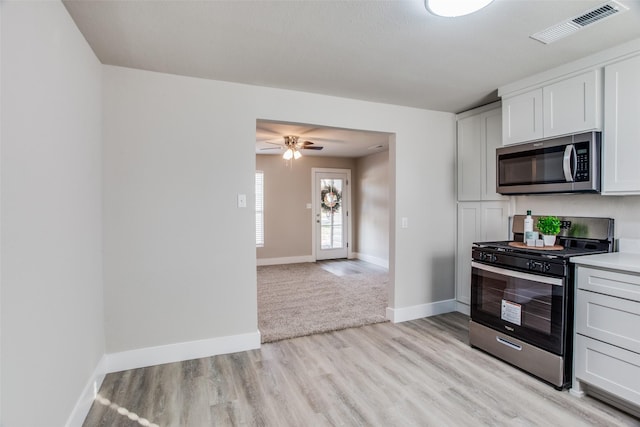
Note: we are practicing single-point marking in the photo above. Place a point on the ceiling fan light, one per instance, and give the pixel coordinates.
(288, 154)
(453, 8)
(296, 155)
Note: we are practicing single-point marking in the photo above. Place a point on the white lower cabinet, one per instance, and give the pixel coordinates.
(477, 222)
(607, 334)
(612, 369)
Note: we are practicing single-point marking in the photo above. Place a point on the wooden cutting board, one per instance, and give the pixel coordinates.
(522, 245)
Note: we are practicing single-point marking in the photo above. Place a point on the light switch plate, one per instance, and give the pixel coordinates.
(242, 200)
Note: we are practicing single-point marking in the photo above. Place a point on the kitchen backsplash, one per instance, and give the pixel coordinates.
(625, 210)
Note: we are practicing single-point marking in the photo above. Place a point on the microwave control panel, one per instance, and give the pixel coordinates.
(582, 161)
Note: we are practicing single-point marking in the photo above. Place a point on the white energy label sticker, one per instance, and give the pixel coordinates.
(511, 312)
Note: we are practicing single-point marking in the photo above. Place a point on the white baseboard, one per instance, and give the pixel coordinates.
(150, 356)
(285, 260)
(397, 315)
(463, 308)
(372, 259)
(81, 409)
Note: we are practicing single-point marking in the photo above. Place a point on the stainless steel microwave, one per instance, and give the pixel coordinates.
(567, 164)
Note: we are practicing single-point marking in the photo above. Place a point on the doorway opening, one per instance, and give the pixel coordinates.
(326, 221)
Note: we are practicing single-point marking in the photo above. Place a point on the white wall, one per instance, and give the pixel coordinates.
(180, 256)
(623, 209)
(372, 208)
(52, 311)
(287, 190)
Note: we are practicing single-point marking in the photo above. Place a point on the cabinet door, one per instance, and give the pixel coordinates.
(494, 221)
(468, 232)
(621, 144)
(469, 158)
(522, 117)
(477, 222)
(612, 369)
(573, 105)
(492, 139)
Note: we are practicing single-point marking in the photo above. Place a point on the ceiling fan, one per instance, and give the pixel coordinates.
(292, 146)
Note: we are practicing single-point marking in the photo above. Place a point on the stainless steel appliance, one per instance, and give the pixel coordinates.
(522, 297)
(566, 164)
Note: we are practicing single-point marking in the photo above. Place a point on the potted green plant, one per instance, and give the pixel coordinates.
(549, 226)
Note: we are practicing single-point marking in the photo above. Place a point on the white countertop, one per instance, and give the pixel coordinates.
(628, 259)
(624, 261)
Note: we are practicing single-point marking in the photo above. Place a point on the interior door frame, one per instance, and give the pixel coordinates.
(314, 209)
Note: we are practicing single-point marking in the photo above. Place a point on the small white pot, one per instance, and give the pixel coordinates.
(549, 240)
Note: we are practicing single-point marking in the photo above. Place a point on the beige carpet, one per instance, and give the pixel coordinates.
(303, 299)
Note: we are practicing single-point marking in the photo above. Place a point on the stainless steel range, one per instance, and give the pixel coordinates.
(522, 297)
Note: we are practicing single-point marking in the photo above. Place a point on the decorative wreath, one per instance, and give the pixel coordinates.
(330, 198)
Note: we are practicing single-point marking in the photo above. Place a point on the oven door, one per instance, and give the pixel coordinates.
(526, 306)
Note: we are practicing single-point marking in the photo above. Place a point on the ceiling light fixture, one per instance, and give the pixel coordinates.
(292, 152)
(453, 8)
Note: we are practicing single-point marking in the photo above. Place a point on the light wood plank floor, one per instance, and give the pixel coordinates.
(348, 267)
(417, 373)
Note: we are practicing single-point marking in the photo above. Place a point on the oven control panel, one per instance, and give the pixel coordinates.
(522, 262)
(486, 256)
(541, 266)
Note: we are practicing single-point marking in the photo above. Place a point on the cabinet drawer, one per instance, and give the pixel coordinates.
(620, 285)
(609, 319)
(608, 367)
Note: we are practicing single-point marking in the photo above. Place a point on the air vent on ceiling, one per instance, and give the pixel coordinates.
(571, 25)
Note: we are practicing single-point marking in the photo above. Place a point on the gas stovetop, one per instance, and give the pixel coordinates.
(564, 248)
(578, 236)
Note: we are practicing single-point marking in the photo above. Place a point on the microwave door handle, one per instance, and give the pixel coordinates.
(568, 166)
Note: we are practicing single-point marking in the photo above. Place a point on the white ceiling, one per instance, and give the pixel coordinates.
(334, 142)
(384, 51)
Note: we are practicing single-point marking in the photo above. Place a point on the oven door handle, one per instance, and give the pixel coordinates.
(519, 275)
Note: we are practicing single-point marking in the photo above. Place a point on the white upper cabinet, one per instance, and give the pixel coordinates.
(479, 135)
(469, 165)
(522, 117)
(492, 139)
(621, 137)
(572, 105)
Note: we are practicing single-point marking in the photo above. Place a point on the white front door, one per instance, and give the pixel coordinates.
(331, 201)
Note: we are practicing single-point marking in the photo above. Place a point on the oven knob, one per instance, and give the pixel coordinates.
(493, 258)
(547, 266)
(483, 256)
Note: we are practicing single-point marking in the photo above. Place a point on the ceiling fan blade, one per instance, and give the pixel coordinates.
(308, 147)
(271, 148)
(277, 142)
